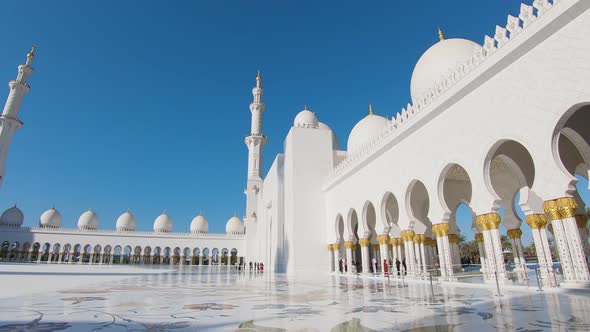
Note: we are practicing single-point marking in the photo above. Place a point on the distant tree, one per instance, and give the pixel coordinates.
(469, 249)
(462, 239)
(506, 244)
(530, 250)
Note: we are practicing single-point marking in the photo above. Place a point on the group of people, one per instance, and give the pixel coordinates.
(256, 266)
(343, 266)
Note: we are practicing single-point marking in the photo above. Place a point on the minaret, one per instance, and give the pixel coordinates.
(255, 142)
(9, 122)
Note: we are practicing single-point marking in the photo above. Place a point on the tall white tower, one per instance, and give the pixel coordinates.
(9, 122)
(255, 142)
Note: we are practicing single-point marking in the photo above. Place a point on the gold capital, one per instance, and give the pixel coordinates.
(536, 221)
(419, 238)
(408, 235)
(567, 207)
(454, 238)
(479, 237)
(329, 247)
(514, 233)
(348, 244)
(441, 230)
(383, 238)
(370, 109)
(488, 221)
(375, 247)
(364, 242)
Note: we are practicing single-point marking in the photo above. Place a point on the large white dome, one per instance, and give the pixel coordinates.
(437, 62)
(88, 220)
(335, 143)
(365, 129)
(199, 224)
(234, 226)
(50, 218)
(306, 119)
(163, 224)
(12, 217)
(126, 222)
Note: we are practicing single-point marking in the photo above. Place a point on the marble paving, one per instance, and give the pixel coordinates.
(199, 299)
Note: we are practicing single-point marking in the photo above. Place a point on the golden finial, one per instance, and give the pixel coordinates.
(31, 54)
(258, 77)
(441, 36)
(370, 109)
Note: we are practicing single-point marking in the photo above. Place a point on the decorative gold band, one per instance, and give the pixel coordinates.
(561, 208)
(514, 233)
(536, 221)
(454, 238)
(488, 221)
(329, 247)
(441, 230)
(336, 246)
(383, 238)
(408, 235)
(348, 244)
(479, 237)
(375, 247)
(419, 238)
(364, 242)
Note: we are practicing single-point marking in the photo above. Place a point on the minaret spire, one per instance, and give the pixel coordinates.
(441, 35)
(255, 142)
(9, 122)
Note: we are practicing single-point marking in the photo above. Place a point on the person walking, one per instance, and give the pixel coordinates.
(385, 267)
(374, 263)
(404, 266)
(340, 265)
(250, 265)
(397, 265)
(345, 266)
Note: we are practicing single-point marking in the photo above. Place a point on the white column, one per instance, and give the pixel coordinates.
(365, 257)
(441, 231)
(482, 256)
(383, 240)
(537, 222)
(408, 237)
(348, 245)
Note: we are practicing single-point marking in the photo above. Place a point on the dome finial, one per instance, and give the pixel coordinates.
(258, 77)
(31, 54)
(441, 36)
(305, 108)
(371, 109)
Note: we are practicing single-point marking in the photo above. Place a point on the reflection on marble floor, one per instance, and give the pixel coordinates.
(192, 299)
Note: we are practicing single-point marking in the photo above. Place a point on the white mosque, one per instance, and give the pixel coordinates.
(502, 124)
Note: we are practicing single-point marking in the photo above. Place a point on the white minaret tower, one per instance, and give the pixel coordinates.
(255, 142)
(9, 122)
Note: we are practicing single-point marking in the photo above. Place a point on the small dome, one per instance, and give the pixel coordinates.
(306, 119)
(438, 61)
(88, 220)
(199, 225)
(126, 222)
(365, 129)
(50, 219)
(234, 226)
(163, 224)
(335, 143)
(12, 217)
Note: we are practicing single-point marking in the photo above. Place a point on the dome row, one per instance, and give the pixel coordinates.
(13, 217)
(439, 60)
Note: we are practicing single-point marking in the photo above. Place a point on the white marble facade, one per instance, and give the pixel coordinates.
(486, 122)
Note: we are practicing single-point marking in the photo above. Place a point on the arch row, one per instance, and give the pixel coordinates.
(513, 183)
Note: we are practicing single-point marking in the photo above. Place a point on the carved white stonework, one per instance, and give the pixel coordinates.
(501, 36)
(513, 26)
(349, 260)
(483, 260)
(542, 6)
(576, 249)
(565, 259)
(410, 257)
(365, 259)
(526, 15)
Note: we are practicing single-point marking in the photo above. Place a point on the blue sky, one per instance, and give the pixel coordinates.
(144, 105)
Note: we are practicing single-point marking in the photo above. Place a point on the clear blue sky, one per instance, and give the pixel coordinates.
(144, 104)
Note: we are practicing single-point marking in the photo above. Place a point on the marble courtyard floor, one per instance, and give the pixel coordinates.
(123, 298)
